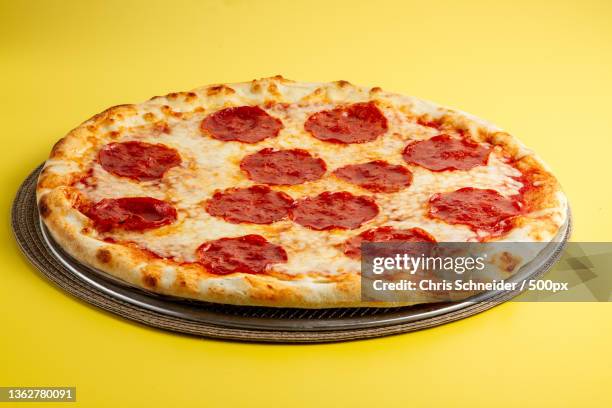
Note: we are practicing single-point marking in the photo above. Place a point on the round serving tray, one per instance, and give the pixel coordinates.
(247, 323)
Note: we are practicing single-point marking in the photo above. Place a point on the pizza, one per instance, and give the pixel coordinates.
(262, 192)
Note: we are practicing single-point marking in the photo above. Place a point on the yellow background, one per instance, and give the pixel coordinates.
(542, 70)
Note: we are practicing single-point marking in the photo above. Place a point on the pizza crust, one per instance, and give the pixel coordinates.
(137, 267)
(71, 157)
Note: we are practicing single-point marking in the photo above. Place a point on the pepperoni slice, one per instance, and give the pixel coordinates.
(376, 176)
(138, 160)
(246, 254)
(131, 213)
(256, 204)
(334, 210)
(356, 123)
(352, 247)
(280, 167)
(484, 210)
(247, 124)
(445, 153)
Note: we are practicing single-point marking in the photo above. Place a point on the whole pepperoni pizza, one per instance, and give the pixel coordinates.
(261, 193)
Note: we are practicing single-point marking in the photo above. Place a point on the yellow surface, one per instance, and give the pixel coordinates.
(543, 70)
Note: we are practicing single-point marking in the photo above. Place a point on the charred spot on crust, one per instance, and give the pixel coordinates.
(43, 207)
(255, 86)
(150, 280)
(507, 262)
(108, 112)
(103, 255)
(342, 83)
(166, 110)
(219, 90)
(57, 147)
(190, 96)
(162, 127)
(273, 89)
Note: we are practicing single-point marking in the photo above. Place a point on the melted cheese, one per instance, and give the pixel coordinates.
(209, 165)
